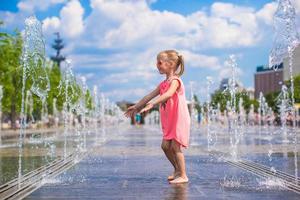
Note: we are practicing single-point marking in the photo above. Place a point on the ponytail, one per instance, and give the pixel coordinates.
(180, 64)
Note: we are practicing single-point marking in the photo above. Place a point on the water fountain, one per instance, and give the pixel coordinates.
(66, 88)
(209, 82)
(242, 114)
(96, 110)
(218, 113)
(286, 40)
(29, 108)
(33, 58)
(103, 118)
(49, 155)
(285, 107)
(262, 110)
(1, 96)
(55, 113)
(251, 116)
(83, 110)
(193, 106)
(232, 88)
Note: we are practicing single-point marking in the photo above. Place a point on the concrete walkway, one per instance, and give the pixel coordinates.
(132, 166)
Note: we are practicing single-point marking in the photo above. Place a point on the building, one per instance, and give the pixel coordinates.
(250, 92)
(224, 85)
(267, 80)
(296, 65)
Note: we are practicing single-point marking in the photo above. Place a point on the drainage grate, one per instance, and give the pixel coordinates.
(31, 181)
(290, 182)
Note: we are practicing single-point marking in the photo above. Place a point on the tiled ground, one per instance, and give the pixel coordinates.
(132, 166)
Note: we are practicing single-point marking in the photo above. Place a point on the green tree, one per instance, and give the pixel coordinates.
(89, 100)
(10, 73)
(54, 77)
(221, 97)
(296, 87)
(271, 99)
(197, 104)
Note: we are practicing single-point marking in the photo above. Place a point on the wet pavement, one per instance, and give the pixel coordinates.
(131, 165)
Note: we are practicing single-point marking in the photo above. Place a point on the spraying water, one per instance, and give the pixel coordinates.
(285, 42)
(285, 107)
(1, 96)
(29, 107)
(251, 116)
(96, 110)
(209, 82)
(232, 87)
(33, 59)
(55, 113)
(83, 109)
(66, 88)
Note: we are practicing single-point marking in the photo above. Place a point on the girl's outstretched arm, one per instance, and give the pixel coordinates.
(147, 98)
(164, 97)
(135, 108)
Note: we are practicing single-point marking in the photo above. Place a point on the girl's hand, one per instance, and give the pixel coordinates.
(131, 111)
(147, 107)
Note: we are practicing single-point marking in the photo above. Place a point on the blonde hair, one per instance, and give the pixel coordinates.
(174, 56)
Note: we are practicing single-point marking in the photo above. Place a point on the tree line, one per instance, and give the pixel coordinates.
(11, 71)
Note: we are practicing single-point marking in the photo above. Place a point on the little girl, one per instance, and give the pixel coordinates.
(174, 114)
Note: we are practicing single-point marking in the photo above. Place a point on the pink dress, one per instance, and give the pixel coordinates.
(174, 114)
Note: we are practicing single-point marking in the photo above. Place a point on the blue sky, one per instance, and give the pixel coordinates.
(113, 43)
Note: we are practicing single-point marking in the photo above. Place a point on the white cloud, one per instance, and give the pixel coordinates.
(226, 71)
(200, 61)
(70, 22)
(72, 18)
(31, 6)
(128, 76)
(12, 20)
(230, 25)
(123, 24)
(131, 24)
(87, 75)
(141, 61)
(132, 94)
(267, 12)
(51, 23)
(114, 61)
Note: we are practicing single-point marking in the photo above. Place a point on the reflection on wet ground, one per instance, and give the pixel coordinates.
(131, 165)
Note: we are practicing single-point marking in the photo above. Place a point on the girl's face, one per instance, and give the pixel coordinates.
(163, 65)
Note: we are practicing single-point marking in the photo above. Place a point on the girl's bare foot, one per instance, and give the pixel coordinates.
(179, 180)
(173, 176)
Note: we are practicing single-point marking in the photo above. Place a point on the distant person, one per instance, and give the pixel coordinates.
(174, 114)
(138, 118)
(199, 118)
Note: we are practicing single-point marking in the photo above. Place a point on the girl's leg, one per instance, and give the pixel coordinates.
(178, 155)
(166, 147)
